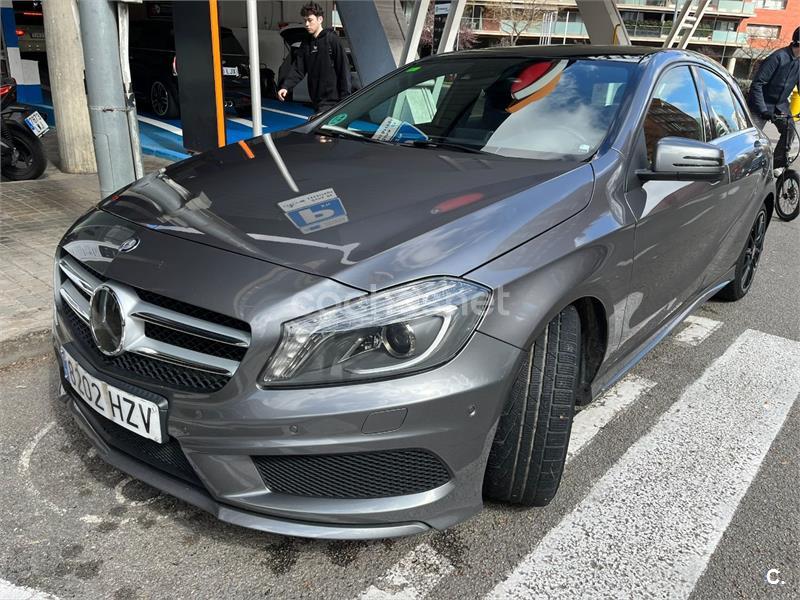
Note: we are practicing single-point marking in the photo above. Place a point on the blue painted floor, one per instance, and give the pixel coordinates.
(164, 138)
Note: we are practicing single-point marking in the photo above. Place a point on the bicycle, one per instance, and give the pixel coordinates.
(787, 183)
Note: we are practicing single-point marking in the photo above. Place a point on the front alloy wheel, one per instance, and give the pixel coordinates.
(748, 261)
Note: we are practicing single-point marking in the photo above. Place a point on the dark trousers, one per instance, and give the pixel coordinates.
(784, 142)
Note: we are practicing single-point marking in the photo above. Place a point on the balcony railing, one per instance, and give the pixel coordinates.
(741, 7)
(639, 29)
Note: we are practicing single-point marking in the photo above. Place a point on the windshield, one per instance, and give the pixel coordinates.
(511, 106)
(229, 43)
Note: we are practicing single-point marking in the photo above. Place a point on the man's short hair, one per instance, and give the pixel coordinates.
(312, 8)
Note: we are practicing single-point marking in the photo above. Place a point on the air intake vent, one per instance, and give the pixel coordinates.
(364, 475)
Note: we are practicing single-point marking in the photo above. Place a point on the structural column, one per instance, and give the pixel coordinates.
(65, 64)
(108, 109)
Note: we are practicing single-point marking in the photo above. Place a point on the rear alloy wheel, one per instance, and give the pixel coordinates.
(162, 100)
(787, 206)
(530, 445)
(747, 264)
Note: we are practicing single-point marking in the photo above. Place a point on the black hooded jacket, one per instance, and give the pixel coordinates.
(776, 78)
(324, 60)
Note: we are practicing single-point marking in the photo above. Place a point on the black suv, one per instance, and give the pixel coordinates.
(154, 68)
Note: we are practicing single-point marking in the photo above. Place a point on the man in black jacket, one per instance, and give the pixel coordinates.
(322, 58)
(769, 93)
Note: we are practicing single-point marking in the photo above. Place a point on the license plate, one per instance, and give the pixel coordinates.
(131, 412)
(37, 35)
(230, 71)
(37, 124)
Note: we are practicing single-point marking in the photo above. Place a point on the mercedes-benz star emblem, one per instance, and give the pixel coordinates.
(107, 321)
(129, 244)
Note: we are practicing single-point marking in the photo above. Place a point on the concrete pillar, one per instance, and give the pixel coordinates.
(65, 64)
(731, 64)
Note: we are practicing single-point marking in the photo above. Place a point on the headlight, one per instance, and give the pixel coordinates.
(409, 328)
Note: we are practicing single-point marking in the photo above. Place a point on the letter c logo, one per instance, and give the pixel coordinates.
(773, 577)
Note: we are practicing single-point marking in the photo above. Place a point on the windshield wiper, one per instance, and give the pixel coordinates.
(334, 131)
(433, 143)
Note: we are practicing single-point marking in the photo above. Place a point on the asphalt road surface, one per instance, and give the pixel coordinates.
(682, 483)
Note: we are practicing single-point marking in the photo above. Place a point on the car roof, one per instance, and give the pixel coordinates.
(560, 51)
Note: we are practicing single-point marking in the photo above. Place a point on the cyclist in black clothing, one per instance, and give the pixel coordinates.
(323, 59)
(769, 93)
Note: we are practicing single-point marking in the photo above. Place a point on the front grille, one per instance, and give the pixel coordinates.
(193, 342)
(167, 457)
(172, 344)
(143, 369)
(191, 310)
(379, 474)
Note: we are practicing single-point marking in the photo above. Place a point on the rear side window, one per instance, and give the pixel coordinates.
(674, 110)
(725, 115)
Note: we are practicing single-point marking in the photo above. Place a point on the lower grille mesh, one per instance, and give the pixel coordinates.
(365, 475)
(144, 369)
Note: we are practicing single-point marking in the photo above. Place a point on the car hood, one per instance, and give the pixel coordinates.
(369, 215)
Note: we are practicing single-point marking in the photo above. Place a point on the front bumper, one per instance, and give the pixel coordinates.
(450, 412)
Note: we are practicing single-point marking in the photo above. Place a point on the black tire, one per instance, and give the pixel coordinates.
(31, 161)
(163, 99)
(787, 205)
(530, 445)
(747, 265)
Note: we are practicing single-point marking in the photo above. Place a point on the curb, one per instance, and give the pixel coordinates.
(28, 345)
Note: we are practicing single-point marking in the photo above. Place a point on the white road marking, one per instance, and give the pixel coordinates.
(650, 525)
(161, 125)
(9, 591)
(698, 330)
(24, 466)
(92, 519)
(288, 114)
(416, 574)
(245, 122)
(586, 425)
(602, 411)
(121, 499)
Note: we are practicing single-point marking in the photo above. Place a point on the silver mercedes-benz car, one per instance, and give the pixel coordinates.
(363, 327)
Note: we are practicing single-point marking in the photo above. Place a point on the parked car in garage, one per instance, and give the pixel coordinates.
(154, 68)
(364, 326)
(29, 21)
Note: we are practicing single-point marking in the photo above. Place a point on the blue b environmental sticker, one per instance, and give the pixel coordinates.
(315, 211)
(337, 119)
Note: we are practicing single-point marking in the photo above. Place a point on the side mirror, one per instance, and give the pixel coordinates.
(683, 159)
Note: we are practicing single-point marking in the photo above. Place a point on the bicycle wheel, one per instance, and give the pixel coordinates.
(787, 205)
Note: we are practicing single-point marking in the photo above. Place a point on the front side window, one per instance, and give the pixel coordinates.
(674, 110)
(521, 107)
(724, 115)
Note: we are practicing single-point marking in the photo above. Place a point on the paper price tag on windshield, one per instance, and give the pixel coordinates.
(387, 129)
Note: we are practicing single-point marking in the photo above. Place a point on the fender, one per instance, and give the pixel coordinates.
(17, 113)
